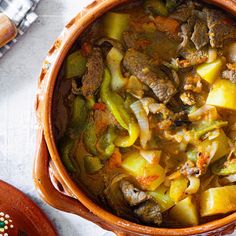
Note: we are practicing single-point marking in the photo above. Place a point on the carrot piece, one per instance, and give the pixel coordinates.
(99, 106)
(115, 159)
(86, 48)
(167, 24)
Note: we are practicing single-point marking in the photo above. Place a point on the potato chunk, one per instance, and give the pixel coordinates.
(149, 176)
(223, 94)
(218, 200)
(185, 212)
(210, 71)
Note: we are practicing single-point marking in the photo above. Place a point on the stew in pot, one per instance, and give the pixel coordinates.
(145, 112)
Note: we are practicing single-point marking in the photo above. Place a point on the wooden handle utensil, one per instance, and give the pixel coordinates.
(8, 30)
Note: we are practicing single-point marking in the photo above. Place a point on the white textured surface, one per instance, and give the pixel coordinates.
(19, 70)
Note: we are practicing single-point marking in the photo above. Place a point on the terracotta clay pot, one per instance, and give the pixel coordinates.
(73, 199)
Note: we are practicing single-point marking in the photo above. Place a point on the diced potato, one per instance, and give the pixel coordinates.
(150, 176)
(133, 163)
(210, 71)
(218, 200)
(185, 212)
(162, 197)
(223, 94)
(177, 188)
(222, 146)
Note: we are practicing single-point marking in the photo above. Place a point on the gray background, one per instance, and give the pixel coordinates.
(19, 71)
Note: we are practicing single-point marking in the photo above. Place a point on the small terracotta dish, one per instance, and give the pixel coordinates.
(21, 216)
(67, 196)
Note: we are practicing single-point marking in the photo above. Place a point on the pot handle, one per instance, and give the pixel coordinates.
(46, 189)
(52, 196)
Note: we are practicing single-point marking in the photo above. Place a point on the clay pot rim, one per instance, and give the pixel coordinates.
(55, 58)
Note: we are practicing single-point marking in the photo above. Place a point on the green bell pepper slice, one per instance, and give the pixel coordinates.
(114, 101)
(79, 116)
(224, 167)
(75, 65)
(90, 138)
(105, 145)
(66, 147)
(92, 164)
(116, 105)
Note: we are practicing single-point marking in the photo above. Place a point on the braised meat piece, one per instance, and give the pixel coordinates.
(220, 27)
(92, 79)
(195, 31)
(200, 34)
(137, 64)
(149, 212)
(146, 209)
(186, 32)
(130, 39)
(132, 195)
(183, 12)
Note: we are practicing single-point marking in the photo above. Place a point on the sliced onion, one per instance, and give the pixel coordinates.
(213, 134)
(151, 156)
(212, 149)
(146, 102)
(145, 133)
(231, 178)
(194, 184)
(206, 110)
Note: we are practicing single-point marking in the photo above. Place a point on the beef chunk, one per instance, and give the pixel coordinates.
(220, 27)
(229, 74)
(195, 29)
(184, 11)
(146, 209)
(92, 79)
(200, 34)
(131, 194)
(149, 212)
(130, 39)
(186, 32)
(137, 64)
